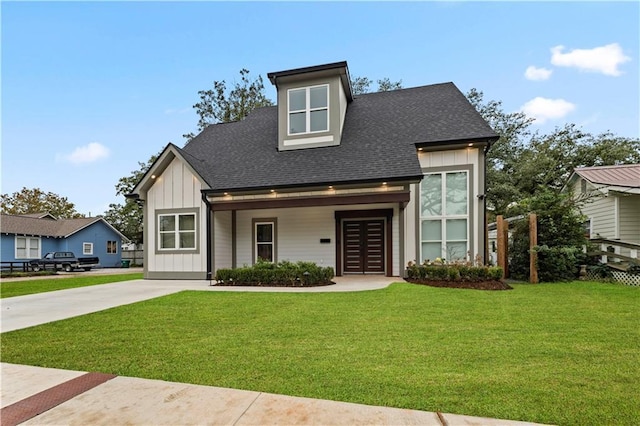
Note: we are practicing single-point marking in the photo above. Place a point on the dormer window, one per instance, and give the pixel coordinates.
(308, 109)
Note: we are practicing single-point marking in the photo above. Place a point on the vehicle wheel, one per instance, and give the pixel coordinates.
(68, 268)
(36, 268)
(87, 269)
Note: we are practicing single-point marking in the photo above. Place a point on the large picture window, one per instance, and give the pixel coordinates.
(264, 240)
(444, 215)
(308, 109)
(28, 248)
(177, 231)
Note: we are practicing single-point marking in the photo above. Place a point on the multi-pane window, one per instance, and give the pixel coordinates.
(308, 109)
(177, 231)
(87, 248)
(27, 248)
(112, 247)
(264, 241)
(444, 215)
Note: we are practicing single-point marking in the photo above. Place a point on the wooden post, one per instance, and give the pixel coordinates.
(502, 232)
(533, 255)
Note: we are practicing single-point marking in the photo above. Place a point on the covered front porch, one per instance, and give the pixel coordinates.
(356, 233)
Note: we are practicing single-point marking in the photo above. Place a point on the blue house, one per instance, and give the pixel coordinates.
(31, 236)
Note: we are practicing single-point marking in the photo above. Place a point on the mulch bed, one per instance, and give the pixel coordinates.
(287, 284)
(480, 285)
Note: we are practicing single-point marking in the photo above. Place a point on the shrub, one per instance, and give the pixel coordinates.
(561, 238)
(284, 273)
(455, 272)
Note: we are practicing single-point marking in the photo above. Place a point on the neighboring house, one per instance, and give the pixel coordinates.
(27, 237)
(361, 183)
(611, 196)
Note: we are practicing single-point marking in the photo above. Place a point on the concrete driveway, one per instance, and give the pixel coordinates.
(28, 311)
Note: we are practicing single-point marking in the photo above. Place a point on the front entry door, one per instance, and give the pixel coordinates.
(363, 246)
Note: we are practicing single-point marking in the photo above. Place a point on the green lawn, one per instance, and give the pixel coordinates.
(21, 288)
(551, 353)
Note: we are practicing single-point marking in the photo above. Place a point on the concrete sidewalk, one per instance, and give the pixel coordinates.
(46, 396)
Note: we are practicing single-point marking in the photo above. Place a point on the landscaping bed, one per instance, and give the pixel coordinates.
(476, 285)
(281, 274)
(456, 275)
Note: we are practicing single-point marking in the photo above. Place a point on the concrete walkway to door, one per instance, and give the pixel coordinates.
(35, 309)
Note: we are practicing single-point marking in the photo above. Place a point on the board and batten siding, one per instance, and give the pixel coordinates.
(299, 231)
(175, 188)
(451, 160)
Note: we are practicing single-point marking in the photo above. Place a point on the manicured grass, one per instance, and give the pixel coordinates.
(21, 288)
(551, 353)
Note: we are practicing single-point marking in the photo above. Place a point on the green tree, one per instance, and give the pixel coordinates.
(521, 163)
(27, 201)
(362, 85)
(127, 217)
(560, 236)
(503, 159)
(221, 105)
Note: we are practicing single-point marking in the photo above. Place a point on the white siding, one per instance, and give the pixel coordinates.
(222, 240)
(299, 231)
(450, 159)
(175, 188)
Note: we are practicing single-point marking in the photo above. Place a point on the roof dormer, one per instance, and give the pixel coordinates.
(312, 103)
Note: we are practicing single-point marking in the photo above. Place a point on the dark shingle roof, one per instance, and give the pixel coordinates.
(379, 140)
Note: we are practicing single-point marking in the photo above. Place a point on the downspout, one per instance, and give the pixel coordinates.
(484, 204)
(209, 276)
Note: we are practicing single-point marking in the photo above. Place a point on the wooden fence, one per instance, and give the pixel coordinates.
(136, 257)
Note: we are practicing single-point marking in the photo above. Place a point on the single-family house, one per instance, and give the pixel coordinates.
(27, 237)
(610, 197)
(361, 183)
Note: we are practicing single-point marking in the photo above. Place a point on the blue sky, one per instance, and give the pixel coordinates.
(90, 89)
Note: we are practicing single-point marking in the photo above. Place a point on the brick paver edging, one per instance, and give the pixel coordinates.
(34, 405)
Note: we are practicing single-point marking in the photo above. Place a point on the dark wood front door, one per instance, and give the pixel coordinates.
(363, 246)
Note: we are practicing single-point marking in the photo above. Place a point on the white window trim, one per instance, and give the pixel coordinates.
(27, 247)
(90, 251)
(307, 110)
(274, 237)
(443, 217)
(177, 232)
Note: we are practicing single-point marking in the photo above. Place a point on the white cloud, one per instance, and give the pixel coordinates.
(543, 109)
(86, 154)
(537, 74)
(604, 59)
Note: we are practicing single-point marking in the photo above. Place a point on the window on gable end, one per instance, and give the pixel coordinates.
(308, 109)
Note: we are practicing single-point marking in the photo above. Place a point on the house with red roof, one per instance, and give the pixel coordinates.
(611, 202)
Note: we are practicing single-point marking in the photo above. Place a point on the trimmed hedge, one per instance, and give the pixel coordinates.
(454, 272)
(281, 274)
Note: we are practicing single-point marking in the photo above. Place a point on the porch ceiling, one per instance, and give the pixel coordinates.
(312, 201)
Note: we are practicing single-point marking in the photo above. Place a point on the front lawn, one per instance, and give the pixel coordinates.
(549, 353)
(21, 288)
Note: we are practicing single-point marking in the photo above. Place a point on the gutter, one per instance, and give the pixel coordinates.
(209, 276)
